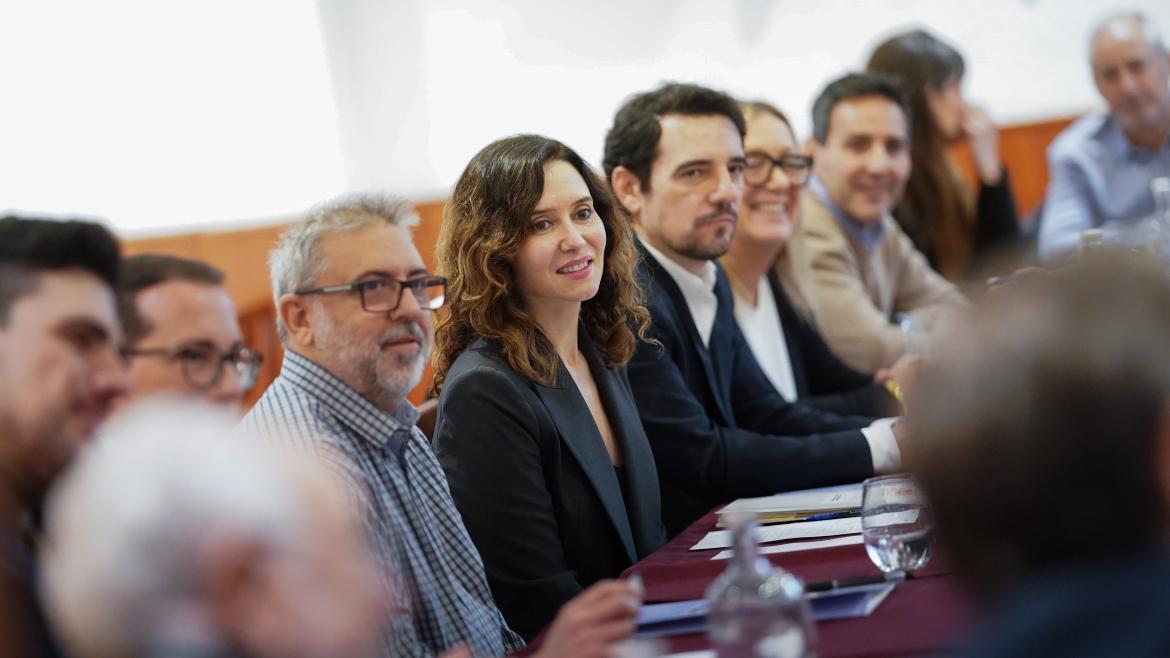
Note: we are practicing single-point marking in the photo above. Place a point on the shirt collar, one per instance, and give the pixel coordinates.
(1113, 136)
(869, 236)
(688, 282)
(369, 420)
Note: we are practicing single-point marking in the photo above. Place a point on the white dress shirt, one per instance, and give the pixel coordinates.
(698, 291)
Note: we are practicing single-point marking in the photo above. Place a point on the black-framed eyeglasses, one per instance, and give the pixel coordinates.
(383, 294)
(202, 364)
(759, 168)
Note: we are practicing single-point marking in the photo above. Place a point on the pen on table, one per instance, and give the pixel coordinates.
(839, 583)
(828, 516)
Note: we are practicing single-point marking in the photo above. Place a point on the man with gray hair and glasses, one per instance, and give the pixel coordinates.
(353, 301)
(1102, 167)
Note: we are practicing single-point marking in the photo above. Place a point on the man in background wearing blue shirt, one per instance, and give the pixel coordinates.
(1101, 166)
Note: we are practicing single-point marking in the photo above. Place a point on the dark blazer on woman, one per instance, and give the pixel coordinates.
(823, 380)
(531, 476)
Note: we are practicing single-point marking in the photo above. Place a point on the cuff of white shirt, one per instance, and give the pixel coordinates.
(887, 457)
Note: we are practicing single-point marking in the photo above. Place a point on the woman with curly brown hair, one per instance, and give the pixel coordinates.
(537, 429)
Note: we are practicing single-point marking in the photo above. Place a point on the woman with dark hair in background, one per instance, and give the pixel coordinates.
(771, 306)
(950, 224)
(537, 429)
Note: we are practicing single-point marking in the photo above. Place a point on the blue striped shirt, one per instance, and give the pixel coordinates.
(438, 586)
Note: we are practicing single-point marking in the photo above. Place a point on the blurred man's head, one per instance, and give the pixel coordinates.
(861, 145)
(1131, 69)
(1042, 434)
(674, 158)
(59, 334)
(337, 284)
(174, 535)
(182, 334)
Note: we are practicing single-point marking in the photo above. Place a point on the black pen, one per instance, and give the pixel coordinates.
(840, 583)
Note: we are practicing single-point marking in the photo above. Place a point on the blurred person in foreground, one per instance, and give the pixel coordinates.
(182, 333)
(1100, 167)
(771, 305)
(1042, 439)
(59, 374)
(861, 271)
(354, 302)
(951, 224)
(173, 536)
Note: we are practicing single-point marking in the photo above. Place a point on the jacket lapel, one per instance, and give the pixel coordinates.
(578, 430)
(644, 507)
(666, 283)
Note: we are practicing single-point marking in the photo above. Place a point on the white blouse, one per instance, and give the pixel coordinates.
(765, 336)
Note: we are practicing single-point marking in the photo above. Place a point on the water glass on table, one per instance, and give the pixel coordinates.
(895, 523)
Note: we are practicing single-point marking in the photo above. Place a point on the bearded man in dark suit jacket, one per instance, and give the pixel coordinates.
(719, 430)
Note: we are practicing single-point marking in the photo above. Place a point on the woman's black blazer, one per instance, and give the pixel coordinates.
(538, 493)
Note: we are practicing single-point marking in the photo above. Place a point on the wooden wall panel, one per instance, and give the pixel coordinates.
(243, 254)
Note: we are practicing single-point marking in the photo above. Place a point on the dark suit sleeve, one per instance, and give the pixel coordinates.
(997, 222)
(721, 463)
(488, 441)
(832, 385)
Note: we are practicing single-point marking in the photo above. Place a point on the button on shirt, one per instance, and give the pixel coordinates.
(1096, 176)
(436, 577)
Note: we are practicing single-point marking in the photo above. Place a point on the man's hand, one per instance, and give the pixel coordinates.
(590, 624)
(904, 372)
(460, 651)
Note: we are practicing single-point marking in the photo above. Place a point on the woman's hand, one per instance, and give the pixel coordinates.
(984, 139)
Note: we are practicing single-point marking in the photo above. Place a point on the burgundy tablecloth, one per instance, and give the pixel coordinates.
(924, 615)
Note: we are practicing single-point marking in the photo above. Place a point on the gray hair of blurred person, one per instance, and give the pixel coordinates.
(1041, 435)
(1149, 31)
(128, 525)
(296, 262)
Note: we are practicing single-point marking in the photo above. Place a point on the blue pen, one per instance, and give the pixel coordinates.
(828, 516)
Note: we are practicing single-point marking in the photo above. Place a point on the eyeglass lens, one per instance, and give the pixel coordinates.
(385, 295)
(759, 169)
(203, 367)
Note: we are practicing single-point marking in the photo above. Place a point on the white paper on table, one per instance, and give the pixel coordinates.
(799, 530)
(848, 540)
(825, 499)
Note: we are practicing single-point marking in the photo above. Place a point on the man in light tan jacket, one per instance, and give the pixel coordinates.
(861, 272)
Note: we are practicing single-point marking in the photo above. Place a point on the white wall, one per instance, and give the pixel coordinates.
(159, 114)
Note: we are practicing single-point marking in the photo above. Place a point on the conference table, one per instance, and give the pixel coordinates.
(925, 615)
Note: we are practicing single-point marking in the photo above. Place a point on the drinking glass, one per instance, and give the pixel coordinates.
(895, 523)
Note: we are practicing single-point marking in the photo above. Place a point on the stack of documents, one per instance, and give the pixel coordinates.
(786, 532)
(809, 504)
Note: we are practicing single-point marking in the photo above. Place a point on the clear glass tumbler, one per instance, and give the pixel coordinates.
(895, 523)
